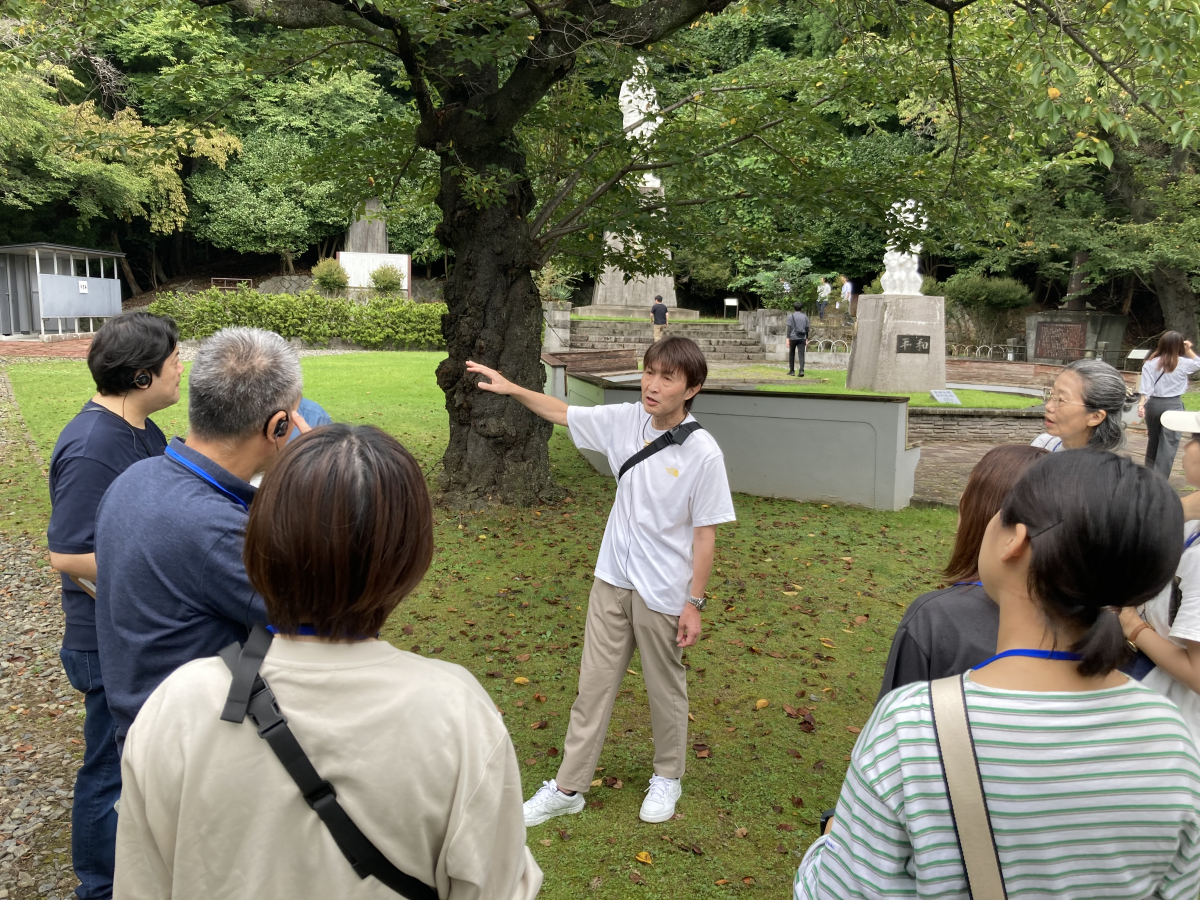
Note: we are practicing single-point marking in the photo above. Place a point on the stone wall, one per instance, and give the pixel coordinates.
(989, 426)
(770, 327)
(285, 284)
(1020, 374)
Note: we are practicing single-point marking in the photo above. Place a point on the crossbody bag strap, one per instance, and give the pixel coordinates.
(263, 709)
(964, 787)
(676, 435)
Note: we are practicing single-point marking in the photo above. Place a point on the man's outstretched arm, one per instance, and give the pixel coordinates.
(549, 408)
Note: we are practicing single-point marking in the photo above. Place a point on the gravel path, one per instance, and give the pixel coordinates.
(41, 715)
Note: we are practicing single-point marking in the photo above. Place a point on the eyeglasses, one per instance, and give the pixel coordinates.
(1052, 399)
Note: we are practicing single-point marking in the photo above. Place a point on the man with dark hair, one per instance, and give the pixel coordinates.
(797, 331)
(134, 360)
(659, 313)
(653, 567)
(172, 586)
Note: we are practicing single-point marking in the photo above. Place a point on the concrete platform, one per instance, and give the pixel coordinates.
(674, 312)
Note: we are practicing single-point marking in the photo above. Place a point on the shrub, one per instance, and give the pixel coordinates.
(329, 275)
(387, 280)
(382, 323)
(982, 292)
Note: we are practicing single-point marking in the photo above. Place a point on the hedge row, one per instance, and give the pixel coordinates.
(390, 323)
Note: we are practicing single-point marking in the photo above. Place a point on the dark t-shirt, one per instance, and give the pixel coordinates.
(95, 447)
(659, 310)
(942, 633)
(171, 584)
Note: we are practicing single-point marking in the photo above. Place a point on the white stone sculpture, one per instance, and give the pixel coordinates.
(901, 275)
(638, 100)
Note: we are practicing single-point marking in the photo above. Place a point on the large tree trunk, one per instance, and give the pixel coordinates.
(498, 449)
(1177, 300)
(1077, 300)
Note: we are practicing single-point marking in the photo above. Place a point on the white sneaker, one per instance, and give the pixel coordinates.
(549, 802)
(659, 804)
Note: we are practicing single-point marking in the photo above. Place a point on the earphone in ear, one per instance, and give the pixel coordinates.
(142, 380)
(282, 427)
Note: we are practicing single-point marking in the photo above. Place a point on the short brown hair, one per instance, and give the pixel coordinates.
(989, 483)
(340, 532)
(678, 354)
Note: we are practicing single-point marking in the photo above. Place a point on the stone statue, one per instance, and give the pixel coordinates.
(638, 100)
(901, 275)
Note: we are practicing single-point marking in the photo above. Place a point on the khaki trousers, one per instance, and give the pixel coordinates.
(617, 621)
(659, 332)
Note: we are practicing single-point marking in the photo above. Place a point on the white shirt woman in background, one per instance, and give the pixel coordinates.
(1168, 629)
(1085, 409)
(1164, 379)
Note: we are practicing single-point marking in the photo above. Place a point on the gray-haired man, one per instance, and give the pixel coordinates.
(170, 583)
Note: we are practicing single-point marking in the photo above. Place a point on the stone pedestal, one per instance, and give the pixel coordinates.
(556, 317)
(1062, 336)
(368, 234)
(901, 344)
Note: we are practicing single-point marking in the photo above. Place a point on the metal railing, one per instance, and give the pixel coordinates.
(1006, 352)
(825, 345)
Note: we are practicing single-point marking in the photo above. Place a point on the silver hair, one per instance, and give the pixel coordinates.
(1104, 388)
(239, 379)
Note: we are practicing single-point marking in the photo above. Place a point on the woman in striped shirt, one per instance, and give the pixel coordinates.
(1092, 781)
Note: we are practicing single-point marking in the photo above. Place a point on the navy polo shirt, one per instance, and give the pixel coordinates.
(94, 448)
(171, 584)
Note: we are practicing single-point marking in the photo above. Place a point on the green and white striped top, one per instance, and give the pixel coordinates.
(1092, 795)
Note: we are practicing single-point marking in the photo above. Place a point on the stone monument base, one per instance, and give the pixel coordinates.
(900, 345)
(674, 314)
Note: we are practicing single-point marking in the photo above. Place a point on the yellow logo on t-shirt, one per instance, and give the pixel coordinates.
(673, 471)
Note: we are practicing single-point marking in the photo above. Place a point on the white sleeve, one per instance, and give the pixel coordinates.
(1186, 626)
(592, 427)
(1148, 369)
(712, 503)
(1046, 442)
(1187, 365)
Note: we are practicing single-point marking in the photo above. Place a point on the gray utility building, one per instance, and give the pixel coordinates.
(48, 288)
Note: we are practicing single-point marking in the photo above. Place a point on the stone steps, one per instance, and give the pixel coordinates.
(719, 341)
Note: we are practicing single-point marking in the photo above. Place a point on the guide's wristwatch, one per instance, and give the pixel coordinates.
(698, 602)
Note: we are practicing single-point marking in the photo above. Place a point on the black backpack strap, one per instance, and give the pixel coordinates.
(676, 435)
(263, 709)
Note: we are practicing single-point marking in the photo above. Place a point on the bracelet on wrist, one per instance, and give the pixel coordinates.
(1133, 635)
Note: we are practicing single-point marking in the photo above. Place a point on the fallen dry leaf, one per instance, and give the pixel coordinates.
(761, 704)
(702, 751)
(531, 761)
(596, 783)
(596, 804)
(785, 826)
(553, 751)
(636, 877)
(630, 672)
(496, 674)
(521, 680)
(545, 842)
(615, 783)
(808, 725)
(742, 832)
(595, 883)
(791, 711)
(539, 725)
(564, 835)
(747, 880)
(794, 753)
(691, 718)
(754, 650)
(779, 848)
(775, 807)
(868, 649)
(721, 881)
(524, 657)
(798, 802)
(828, 643)
(644, 858)
(774, 654)
(790, 593)
(407, 629)
(540, 698)
(853, 729)
(819, 765)
(861, 620)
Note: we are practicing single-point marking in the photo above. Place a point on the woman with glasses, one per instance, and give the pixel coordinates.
(1164, 379)
(1084, 408)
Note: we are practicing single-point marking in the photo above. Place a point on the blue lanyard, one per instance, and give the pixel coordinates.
(1195, 537)
(1036, 654)
(188, 464)
(310, 631)
(976, 583)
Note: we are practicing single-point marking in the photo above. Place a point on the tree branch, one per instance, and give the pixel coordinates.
(1079, 41)
(958, 113)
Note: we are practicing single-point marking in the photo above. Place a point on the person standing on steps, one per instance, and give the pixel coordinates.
(659, 312)
(654, 563)
(797, 331)
(823, 292)
(134, 360)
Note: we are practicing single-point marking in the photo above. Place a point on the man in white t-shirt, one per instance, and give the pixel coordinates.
(653, 567)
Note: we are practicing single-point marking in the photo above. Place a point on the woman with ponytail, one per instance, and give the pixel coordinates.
(1091, 780)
